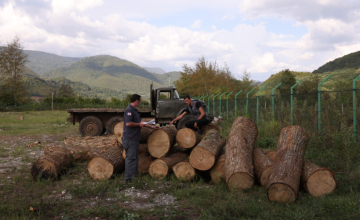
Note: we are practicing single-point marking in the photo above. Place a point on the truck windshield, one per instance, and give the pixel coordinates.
(176, 95)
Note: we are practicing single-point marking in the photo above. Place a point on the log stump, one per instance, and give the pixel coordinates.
(144, 134)
(284, 181)
(239, 150)
(263, 166)
(204, 155)
(159, 168)
(106, 164)
(187, 138)
(217, 173)
(316, 180)
(184, 171)
(52, 165)
(144, 158)
(160, 141)
(270, 154)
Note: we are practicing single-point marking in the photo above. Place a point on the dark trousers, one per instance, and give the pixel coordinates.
(200, 123)
(132, 158)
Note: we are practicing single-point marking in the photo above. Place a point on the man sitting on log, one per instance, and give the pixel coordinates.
(194, 108)
(131, 136)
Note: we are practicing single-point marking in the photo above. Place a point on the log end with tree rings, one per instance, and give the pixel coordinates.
(44, 169)
(217, 173)
(159, 143)
(118, 131)
(271, 154)
(264, 179)
(184, 171)
(201, 159)
(158, 169)
(279, 192)
(100, 169)
(321, 182)
(144, 163)
(187, 138)
(240, 181)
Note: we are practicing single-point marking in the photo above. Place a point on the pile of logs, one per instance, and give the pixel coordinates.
(185, 153)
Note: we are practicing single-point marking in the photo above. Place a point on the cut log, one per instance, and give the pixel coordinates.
(144, 134)
(159, 168)
(239, 150)
(187, 138)
(284, 181)
(270, 153)
(217, 173)
(204, 155)
(106, 164)
(78, 152)
(144, 158)
(161, 141)
(51, 165)
(263, 166)
(184, 171)
(317, 180)
(91, 141)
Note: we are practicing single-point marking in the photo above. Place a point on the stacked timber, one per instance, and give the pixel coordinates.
(159, 168)
(270, 154)
(204, 155)
(239, 151)
(187, 138)
(284, 181)
(184, 171)
(52, 165)
(217, 173)
(263, 166)
(144, 134)
(106, 164)
(161, 141)
(144, 158)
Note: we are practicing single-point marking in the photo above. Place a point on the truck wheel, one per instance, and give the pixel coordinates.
(111, 124)
(181, 122)
(91, 126)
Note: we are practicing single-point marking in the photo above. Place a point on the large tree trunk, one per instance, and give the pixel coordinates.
(263, 166)
(187, 138)
(144, 134)
(90, 141)
(79, 152)
(217, 173)
(106, 164)
(51, 165)
(317, 180)
(184, 171)
(161, 141)
(284, 181)
(144, 158)
(270, 154)
(204, 155)
(159, 168)
(239, 150)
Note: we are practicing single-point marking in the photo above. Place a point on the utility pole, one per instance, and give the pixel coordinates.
(52, 101)
(169, 80)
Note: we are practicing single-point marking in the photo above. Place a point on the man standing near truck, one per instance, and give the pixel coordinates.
(131, 136)
(194, 108)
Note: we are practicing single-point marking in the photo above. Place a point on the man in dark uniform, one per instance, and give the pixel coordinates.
(131, 136)
(194, 108)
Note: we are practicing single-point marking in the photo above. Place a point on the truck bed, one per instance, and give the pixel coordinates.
(100, 110)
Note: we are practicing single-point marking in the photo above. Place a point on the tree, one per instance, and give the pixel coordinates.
(66, 91)
(12, 65)
(288, 80)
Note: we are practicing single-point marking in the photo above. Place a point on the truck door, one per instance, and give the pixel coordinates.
(165, 107)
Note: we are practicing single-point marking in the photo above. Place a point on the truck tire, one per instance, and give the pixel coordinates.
(91, 126)
(181, 122)
(111, 124)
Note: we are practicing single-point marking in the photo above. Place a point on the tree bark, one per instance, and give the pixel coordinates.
(144, 158)
(160, 141)
(51, 165)
(144, 134)
(91, 141)
(187, 138)
(263, 166)
(270, 153)
(159, 168)
(204, 155)
(239, 150)
(217, 173)
(317, 180)
(284, 181)
(106, 164)
(184, 171)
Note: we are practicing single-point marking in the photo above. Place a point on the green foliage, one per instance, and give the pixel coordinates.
(287, 79)
(65, 91)
(348, 61)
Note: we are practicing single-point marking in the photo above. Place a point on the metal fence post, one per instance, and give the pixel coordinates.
(204, 98)
(257, 105)
(227, 105)
(273, 99)
(209, 101)
(247, 100)
(319, 101)
(236, 102)
(220, 103)
(354, 106)
(214, 103)
(292, 102)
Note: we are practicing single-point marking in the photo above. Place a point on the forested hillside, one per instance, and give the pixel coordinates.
(348, 61)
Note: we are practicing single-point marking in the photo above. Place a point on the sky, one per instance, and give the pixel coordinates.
(262, 37)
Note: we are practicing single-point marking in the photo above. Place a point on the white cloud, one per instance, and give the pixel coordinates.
(196, 24)
(307, 56)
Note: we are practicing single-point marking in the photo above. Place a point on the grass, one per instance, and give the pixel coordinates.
(194, 200)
